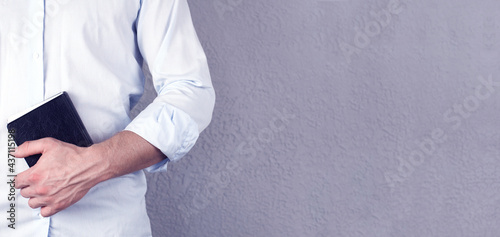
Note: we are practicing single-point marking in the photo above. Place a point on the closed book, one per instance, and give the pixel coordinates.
(55, 117)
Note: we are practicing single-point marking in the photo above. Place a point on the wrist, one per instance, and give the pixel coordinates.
(99, 156)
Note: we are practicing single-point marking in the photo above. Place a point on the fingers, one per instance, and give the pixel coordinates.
(27, 192)
(46, 184)
(47, 211)
(37, 199)
(33, 147)
(36, 203)
(22, 179)
(31, 191)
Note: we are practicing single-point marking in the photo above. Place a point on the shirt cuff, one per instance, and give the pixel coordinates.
(168, 128)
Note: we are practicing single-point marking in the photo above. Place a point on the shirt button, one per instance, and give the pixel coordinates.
(36, 55)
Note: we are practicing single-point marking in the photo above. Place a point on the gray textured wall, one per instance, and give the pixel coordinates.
(342, 118)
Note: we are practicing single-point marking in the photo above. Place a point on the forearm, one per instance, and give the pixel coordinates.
(124, 153)
(65, 172)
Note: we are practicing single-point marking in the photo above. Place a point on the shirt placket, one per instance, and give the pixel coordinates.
(33, 33)
(36, 52)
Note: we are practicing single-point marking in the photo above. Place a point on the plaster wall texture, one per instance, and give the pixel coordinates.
(342, 118)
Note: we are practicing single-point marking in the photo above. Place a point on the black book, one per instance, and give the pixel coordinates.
(55, 117)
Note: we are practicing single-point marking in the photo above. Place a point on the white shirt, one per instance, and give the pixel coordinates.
(94, 49)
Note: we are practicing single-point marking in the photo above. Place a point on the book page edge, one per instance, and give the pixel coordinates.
(20, 114)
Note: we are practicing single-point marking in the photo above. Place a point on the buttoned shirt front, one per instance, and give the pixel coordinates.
(94, 50)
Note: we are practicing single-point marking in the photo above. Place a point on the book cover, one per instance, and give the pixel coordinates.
(55, 117)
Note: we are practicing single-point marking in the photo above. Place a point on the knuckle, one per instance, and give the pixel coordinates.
(24, 146)
(46, 211)
(19, 180)
(55, 208)
(23, 193)
(41, 190)
(32, 203)
(33, 178)
(48, 141)
(58, 207)
(48, 200)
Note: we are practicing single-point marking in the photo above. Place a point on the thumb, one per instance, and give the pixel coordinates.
(29, 148)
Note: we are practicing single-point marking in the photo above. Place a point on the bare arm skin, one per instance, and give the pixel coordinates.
(65, 172)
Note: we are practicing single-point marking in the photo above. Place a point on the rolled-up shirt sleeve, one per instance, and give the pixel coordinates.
(168, 43)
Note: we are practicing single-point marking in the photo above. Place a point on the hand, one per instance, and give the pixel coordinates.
(65, 173)
(61, 177)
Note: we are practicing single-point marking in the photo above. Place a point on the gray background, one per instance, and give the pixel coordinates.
(331, 121)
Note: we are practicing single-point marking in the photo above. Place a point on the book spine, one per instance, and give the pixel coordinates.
(87, 139)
